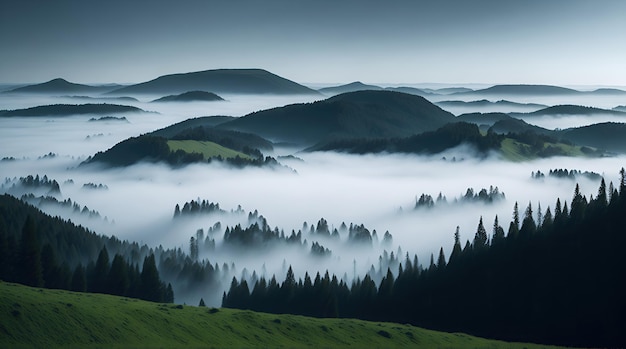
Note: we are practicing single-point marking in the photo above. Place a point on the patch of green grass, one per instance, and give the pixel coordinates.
(42, 318)
(516, 151)
(207, 149)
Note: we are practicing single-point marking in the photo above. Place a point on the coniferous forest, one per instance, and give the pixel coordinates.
(555, 277)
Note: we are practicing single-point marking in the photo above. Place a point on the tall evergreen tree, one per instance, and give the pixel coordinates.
(79, 281)
(98, 280)
(151, 287)
(30, 258)
(480, 239)
(498, 232)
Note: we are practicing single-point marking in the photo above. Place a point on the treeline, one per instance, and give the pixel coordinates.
(33, 182)
(483, 195)
(565, 173)
(26, 261)
(554, 278)
(446, 137)
(39, 250)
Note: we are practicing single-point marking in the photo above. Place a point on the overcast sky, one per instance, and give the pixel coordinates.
(409, 41)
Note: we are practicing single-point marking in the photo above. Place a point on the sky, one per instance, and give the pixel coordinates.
(315, 42)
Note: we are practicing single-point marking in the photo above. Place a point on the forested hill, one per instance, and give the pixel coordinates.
(61, 86)
(556, 277)
(234, 81)
(71, 109)
(371, 114)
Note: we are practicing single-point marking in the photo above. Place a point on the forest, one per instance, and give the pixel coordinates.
(554, 277)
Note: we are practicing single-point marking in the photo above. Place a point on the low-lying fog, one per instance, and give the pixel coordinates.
(378, 191)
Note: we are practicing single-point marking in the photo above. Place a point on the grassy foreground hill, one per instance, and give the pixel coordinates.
(36, 318)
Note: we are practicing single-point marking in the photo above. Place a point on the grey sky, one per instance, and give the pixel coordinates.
(404, 41)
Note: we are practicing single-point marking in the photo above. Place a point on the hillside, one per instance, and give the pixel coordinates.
(61, 86)
(483, 118)
(204, 121)
(362, 114)
(569, 109)
(487, 103)
(234, 81)
(351, 87)
(35, 318)
(191, 96)
(535, 90)
(207, 149)
(608, 136)
(71, 109)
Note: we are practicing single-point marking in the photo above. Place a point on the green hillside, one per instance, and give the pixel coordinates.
(37, 318)
(207, 149)
(515, 150)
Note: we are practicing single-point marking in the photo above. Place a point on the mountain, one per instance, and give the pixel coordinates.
(569, 109)
(204, 121)
(534, 90)
(483, 118)
(608, 91)
(620, 108)
(608, 136)
(487, 103)
(361, 114)
(409, 90)
(234, 81)
(194, 140)
(351, 87)
(191, 96)
(62, 86)
(71, 109)
(447, 90)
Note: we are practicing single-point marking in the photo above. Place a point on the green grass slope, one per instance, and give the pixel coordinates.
(207, 149)
(38, 318)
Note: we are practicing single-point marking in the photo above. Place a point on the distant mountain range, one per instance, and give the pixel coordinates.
(71, 109)
(61, 86)
(234, 81)
(538, 90)
(365, 114)
(191, 96)
(487, 103)
(359, 86)
(569, 109)
(351, 87)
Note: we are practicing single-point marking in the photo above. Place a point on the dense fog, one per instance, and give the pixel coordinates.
(378, 191)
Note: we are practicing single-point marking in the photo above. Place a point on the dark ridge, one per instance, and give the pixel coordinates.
(191, 96)
(608, 136)
(487, 103)
(362, 114)
(526, 90)
(61, 86)
(204, 121)
(569, 109)
(243, 81)
(71, 109)
(351, 87)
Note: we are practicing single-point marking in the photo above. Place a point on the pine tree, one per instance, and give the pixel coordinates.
(100, 276)
(151, 287)
(202, 304)
(441, 261)
(528, 225)
(79, 281)
(456, 250)
(480, 239)
(498, 232)
(30, 258)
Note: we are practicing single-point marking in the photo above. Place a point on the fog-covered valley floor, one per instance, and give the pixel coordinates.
(379, 191)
